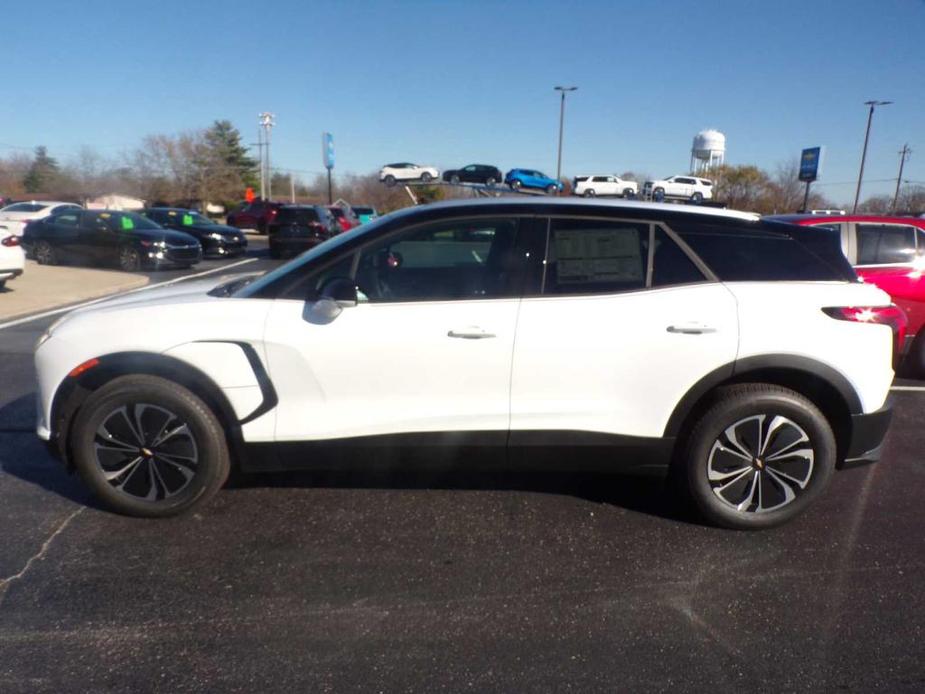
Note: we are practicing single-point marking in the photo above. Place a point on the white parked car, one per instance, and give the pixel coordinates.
(590, 186)
(390, 174)
(679, 187)
(12, 258)
(509, 332)
(15, 217)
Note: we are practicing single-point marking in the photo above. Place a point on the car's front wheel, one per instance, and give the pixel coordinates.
(552, 189)
(389, 180)
(149, 447)
(454, 179)
(757, 457)
(129, 259)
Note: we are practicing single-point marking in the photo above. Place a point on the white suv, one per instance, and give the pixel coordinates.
(679, 187)
(740, 355)
(604, 184)
(390, 174)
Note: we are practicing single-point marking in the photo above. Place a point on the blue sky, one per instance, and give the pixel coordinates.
(450, 83)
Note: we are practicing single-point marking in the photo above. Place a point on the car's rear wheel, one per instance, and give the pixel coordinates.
(590, 193)
(426, 177)
(149, 447)
(389, 180)
(129, 259)
(516, 184)
(45, 253)
(697, 198)
(758, 457)
(658, 194)
(491, 181)
(915, 359)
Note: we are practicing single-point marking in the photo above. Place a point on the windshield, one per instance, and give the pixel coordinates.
(128, 221)
(321, 249)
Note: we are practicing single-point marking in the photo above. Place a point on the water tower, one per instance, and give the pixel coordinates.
(709, 150)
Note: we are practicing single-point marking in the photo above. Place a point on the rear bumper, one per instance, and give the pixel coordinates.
(867, 434)
(10, 273)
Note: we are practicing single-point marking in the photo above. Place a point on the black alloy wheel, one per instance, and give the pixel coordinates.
(149, 447)
(758, 457)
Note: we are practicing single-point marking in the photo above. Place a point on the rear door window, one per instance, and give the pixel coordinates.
(589, 256)
(885, 244)
(296, 216)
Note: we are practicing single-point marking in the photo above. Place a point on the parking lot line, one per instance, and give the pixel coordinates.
(175, 280)
(912, 388)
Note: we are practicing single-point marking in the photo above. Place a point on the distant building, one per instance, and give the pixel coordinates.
(114, 201)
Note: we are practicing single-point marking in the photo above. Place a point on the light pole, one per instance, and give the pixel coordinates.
(903, 155)
(267, 121)
(870, 117)
(563, 91)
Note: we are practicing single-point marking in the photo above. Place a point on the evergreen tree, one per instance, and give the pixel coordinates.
(42, 172)
(226, 151)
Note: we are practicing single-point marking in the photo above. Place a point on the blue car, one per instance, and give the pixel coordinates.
(528, 178)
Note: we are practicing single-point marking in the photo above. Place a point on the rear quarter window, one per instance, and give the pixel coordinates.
(754, 254)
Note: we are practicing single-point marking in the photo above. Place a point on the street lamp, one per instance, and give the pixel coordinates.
(870, 116)
(562, 90)
(267, 120)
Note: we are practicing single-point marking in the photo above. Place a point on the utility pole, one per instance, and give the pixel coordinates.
(291, 188)
(259, 145)
(561, 90)
(267, 121)
(903, 155)
(870, 117)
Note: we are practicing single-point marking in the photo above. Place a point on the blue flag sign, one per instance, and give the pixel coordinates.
(327, 150)
(810, 162)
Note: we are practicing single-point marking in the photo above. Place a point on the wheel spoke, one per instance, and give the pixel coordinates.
(137, 433)
(756, 480)
(782, 484)
(112, 442)
(716, 476)
(115, 474)
(176, 431)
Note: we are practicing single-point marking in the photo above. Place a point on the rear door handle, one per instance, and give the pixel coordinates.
(473, 332)
(691, 328)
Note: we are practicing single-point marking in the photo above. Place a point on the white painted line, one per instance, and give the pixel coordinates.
(920, 389)
(72, 307)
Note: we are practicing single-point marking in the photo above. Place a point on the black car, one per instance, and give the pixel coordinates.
(474, 173)
(105, 237)
(296, 228)
(217, 240)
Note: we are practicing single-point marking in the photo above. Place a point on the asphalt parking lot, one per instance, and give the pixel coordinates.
(404, 582)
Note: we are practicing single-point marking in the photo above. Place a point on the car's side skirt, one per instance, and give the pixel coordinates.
(469, 450)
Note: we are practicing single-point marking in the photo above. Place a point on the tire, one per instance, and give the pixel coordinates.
(45, 253)
(589, 193)
(454, 179)
(426, 177)
(628, 194)
(195, 468)
(697, 198)
(752, 494)
(516, 184)
(2, 285)
(491, 181)
(389, 180)
(129, 259)
(552, 189)
(914, 363)
(658, 194)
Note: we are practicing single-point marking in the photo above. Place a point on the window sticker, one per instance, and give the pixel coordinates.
(127, 223)
(598, 255)
(187, 220)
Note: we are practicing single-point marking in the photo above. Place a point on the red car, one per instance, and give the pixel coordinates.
(258, 215)
(890, 253)
(344, 217)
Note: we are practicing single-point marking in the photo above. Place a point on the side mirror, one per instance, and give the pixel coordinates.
(340, 290)
(337, 294)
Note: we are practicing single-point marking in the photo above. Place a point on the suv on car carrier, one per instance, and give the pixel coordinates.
(604, 184)
(679, 188)
(741, 356)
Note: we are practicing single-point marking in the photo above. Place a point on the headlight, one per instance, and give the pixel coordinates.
(216, 237)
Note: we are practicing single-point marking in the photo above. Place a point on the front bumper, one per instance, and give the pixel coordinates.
(867, 434)
(224, 248)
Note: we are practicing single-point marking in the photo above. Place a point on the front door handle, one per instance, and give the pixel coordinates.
(691, 328)
(473, 332)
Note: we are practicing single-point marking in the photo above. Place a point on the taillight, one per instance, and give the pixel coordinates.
(891, 315)
(10, 241)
